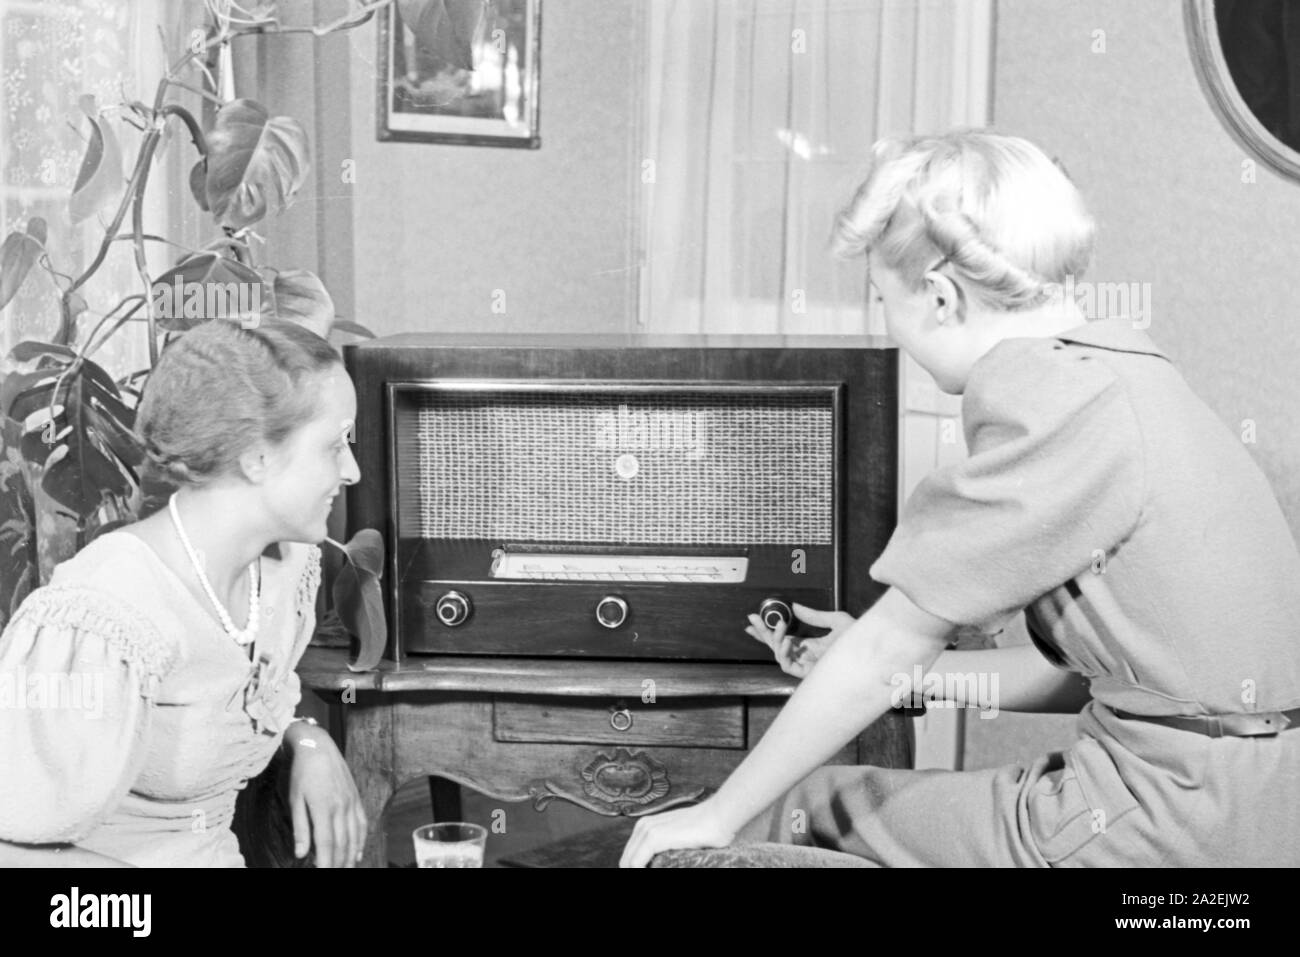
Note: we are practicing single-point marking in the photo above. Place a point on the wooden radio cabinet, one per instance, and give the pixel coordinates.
(691, 480)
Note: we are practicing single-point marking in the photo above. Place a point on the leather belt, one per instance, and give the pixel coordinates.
(1241, 724)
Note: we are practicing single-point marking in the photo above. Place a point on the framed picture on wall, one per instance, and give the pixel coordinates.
(460, 71)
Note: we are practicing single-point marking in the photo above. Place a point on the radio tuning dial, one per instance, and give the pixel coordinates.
(775, 612)
(453, 609)
(611, 611)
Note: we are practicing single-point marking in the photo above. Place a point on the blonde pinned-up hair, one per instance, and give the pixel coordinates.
(1005, 215)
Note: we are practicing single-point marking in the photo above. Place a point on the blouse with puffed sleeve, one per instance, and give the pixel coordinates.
(129, 719)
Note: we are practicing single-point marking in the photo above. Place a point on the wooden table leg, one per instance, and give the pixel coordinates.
(368, 730)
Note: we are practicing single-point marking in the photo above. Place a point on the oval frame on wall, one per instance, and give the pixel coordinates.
(1221, 90)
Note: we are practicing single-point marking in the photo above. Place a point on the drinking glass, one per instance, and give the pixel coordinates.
(454, 844)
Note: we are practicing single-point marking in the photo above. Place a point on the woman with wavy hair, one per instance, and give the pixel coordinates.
(154, 674)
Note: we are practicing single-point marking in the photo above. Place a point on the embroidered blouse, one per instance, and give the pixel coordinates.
(129, 720)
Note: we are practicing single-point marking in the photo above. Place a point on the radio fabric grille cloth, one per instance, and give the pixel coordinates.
(710, 469)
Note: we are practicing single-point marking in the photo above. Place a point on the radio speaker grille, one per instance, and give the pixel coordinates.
(671, 467)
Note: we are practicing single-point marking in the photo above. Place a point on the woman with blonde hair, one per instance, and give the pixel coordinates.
(1158, 578)
(179, 634)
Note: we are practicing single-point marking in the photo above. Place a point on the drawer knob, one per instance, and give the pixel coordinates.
(621, 719)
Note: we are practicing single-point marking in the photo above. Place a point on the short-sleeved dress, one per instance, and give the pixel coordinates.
(1149, 554)
(129, 720)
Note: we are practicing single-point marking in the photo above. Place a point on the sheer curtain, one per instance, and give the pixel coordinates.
(760, 118)
(52, 53)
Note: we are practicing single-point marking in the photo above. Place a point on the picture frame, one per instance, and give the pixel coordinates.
(464, 72)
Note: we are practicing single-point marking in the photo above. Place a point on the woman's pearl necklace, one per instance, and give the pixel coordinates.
(242, 637)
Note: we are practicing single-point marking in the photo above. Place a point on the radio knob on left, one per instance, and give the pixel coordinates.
(453, 609)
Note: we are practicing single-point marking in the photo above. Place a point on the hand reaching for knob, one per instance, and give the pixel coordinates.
(796, 656)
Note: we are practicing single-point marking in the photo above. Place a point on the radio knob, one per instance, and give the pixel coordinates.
(775, 612)
(611, 611)
(453, 609)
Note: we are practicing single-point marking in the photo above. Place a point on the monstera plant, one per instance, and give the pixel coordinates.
(67, 423)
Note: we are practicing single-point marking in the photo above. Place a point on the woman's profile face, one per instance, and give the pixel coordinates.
(311, 466)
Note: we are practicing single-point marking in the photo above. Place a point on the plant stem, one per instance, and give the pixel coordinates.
(235, 244)
(89, 347)
(347, 21)
(122, 320)
(199, 92)
(66, 333)
(242, 251)
(191, 124)
(141, 261)
(151, 238)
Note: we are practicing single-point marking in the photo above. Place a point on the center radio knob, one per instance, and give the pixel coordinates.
(611, 611)
(453, 609)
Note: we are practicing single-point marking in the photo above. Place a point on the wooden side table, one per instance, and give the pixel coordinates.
(615, 737)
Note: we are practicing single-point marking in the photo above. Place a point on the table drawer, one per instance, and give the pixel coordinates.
(682, 722)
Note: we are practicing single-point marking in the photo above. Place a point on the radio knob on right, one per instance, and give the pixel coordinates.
(774, 612)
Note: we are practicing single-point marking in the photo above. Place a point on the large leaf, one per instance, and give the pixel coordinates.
(23, 393)
(256, 163)
(358, 600)
(32, 349)
(116, 435)
(298, 296)
(77, 475)
(199, 183)
(206, 286)
(18, 254)
(82, 437)
(100, 180)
